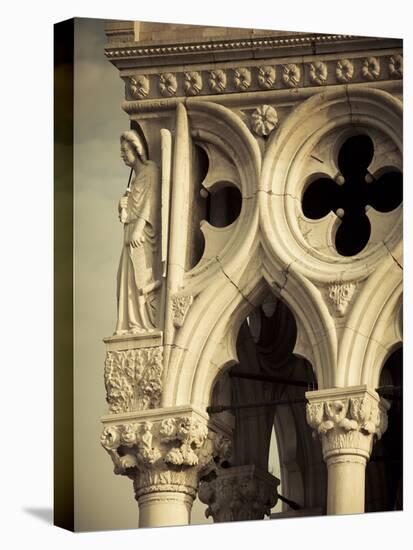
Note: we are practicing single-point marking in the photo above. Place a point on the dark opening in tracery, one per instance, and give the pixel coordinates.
(353, 189)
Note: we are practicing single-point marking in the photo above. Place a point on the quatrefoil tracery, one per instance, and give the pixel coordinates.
(354, 190)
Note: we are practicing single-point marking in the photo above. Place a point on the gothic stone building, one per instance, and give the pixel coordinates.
(260, 285)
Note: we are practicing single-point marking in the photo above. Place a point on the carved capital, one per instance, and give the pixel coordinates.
(239, 493)
(164, 452)
(133, 379)
(347, 419)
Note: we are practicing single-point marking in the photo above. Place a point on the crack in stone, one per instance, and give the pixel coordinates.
(395, 260)
(175, 346)
(369, 338)
(284, 272)
(349, 104)
(272, 194)
(232, 282)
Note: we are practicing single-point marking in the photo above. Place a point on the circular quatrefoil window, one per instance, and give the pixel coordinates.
(357, 189)
(332, 176)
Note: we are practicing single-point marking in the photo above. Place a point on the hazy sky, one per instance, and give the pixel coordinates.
(102, 500)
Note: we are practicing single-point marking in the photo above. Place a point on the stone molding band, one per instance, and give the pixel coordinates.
(130, 50)
(271, 75)
(159, 105)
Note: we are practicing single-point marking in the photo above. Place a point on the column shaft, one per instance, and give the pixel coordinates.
(161, 509)
(346, 484)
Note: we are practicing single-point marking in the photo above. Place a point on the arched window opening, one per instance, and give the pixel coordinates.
(384, 472)
(263, 395)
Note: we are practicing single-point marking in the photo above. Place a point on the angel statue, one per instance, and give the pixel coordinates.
(137, 279)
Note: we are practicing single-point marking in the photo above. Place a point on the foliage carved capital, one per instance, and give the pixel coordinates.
(347, 419)
(239, 493)
(168, 454)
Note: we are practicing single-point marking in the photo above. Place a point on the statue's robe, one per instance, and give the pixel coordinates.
(138, 273)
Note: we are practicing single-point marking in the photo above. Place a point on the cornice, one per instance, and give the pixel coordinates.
(149, 54)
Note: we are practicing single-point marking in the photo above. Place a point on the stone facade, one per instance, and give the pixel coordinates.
(253, 267)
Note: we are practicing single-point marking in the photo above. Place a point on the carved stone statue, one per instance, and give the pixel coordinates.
(137, 279)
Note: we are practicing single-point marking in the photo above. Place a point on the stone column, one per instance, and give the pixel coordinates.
(164, 452)
(347, 420)
(239, 493)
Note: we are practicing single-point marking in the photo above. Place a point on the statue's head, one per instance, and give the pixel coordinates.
(131, 147)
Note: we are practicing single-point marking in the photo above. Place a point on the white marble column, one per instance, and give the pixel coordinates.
(164, 452)
(239, 493)
(347, 420)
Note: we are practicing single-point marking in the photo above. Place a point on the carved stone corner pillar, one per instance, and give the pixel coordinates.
(239, 493)
(165, 452)
(347, 420)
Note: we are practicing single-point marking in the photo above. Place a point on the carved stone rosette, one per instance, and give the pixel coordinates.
(139, 86)
(164, 452)
(133, 379)
(347, 420)
(264, 119)
(239, 493)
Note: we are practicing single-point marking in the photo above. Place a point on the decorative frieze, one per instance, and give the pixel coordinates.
(346, 419)
(166, 454)
(291, 74)
(133, 379)
(217, 81)
(192, 83)
(370, 69)
(239, 493)
(266, 77)
(180, 308)
(340, 295)
(264, 119)
(396, 66)
(242, 79)
(318, 72)
(257, 78)
(139, 86)
(344, 71)
(168, 84)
